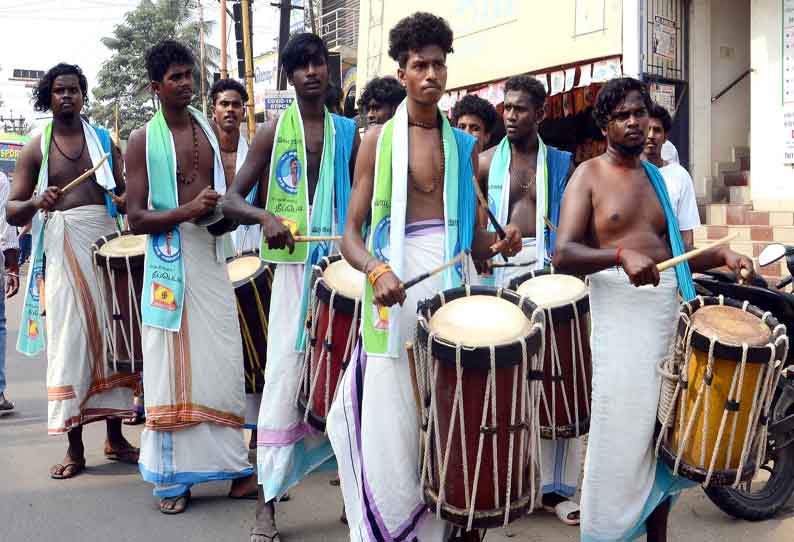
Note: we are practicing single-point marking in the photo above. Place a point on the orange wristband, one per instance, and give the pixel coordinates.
(378, 272)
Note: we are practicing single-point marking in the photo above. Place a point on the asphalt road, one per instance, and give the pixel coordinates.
(110, 503)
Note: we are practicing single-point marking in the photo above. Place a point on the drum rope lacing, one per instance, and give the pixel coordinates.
(248, 339)
(529, 422)
(675, 368)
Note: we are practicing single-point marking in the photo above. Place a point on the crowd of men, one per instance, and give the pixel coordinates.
(615, 217)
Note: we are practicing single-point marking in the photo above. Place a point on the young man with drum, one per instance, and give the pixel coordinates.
(421, 201)
(81, 388)
(303, 165)
(518, 173)
(476, 117)
(193, 377)
(616, 225)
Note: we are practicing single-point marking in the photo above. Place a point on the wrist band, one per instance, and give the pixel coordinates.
(378, 272)
(617, 256)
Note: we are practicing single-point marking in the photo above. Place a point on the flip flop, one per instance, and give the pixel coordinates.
(76, 468)
(184, 497)
(564, 510)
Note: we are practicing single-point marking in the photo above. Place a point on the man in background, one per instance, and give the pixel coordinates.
(10, 249)
(476, 117)
(380, 99)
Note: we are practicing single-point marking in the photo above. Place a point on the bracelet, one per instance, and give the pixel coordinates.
(617, 256)
(10, 274)
(367, 263)
(378, 272)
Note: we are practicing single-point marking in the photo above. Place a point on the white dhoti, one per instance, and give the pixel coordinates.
(631, 331)
(287, 448)
(560, 459)
(373, 424)
(193, 381)
(81, 388)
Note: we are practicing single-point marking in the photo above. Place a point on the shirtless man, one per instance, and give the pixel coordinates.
(679, 184)
(518, 161)
(616, 225)
(476, 117)
(194, 391)
(433, 228)
(380, 99)
(75, 370)
(304, 136)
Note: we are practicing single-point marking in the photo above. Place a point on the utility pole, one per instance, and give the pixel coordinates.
(224, 55)
(202, 61)
(312, 22)
(249, 68)
(285, 9)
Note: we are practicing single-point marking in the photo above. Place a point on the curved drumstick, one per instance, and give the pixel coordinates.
(316, 238)
(419, 278)
(83, 176)
(667, 264)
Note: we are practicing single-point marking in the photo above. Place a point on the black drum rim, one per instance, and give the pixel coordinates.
(700, 342)
(102, 260)
(342, 303)
(566, 431)
(560, 313)
(719, 477)
(506, 355)
(263, 266)
(483, 519)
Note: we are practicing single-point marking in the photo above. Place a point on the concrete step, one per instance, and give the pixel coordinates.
(721, 214)
(750, 242)
(736, 178)
(739, 194)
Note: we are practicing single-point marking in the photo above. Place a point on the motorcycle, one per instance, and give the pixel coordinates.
(765, 495)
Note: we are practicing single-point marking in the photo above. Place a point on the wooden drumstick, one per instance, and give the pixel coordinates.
(454, 261)
(81, 179)
(513, 264)
(549, 225)
(672, 262)
(409, 347)
(500, 231)
(316, 238)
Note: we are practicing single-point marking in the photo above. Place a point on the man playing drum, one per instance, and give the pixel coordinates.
(193, 377)
(303, 165)
(422, 206)
(616, 224)
(81, 388)
(520, 172)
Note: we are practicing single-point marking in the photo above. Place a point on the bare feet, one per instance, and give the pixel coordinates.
(244, 488)
(264, 529)
(122, 451)
(175, 505)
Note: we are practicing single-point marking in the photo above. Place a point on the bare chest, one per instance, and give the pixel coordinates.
(195, 164)
(622, 207)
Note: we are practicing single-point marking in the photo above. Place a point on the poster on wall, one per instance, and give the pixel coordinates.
(788, 51)
(664, 37)
(788, 135)
(664, 95)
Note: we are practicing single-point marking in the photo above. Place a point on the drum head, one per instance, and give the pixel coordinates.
(553, 290)
(124, 246)
(733, 326)
(341, 277)
(243, 267)
(480, 320)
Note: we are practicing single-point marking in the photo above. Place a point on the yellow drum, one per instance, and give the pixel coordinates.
(716, 390)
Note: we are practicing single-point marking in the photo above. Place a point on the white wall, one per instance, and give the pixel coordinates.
(730, 57)
(772, 182)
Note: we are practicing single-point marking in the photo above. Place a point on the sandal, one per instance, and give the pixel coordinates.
(183, 499)
(566, 511)
(128, 454)
(64, 471)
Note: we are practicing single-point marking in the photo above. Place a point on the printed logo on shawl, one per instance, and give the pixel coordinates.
(459, 269)
(163, 297)
(167, 246)
(288, 172)
(291, 225)
(491, 204)
(381, 238)
(380, 315)
(33, 329)
(36, 283)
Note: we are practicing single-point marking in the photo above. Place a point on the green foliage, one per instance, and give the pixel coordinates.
(123, 77)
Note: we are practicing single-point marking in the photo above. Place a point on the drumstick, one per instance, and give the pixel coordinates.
(316, 238)
(667, 264)
(419, 278)
(513, 264)
(409, 347)
(484, 204)
(549, 225)
(79, 180)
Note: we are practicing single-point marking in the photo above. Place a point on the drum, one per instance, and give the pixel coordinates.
(479, 352)
(567, 366)
(253, 281)
(717, 387)
(335, 311)
(118, 263)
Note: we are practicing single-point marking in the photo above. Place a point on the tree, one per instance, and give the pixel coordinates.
(123, 77)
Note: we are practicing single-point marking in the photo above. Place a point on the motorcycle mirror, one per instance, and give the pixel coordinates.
(771, 254)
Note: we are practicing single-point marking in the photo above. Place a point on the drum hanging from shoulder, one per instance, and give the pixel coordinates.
(335, 310)
(253, 281)
(567, 366)
(118, 262)
(717, 387)
(479, 353)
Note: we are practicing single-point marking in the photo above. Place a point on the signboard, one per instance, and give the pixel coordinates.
(788, 135)
(664, 37)
(276, 101)
(10, 147)
(265, 73)
(664, 95)
(788, 51)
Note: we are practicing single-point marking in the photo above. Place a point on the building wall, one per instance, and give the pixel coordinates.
(772, 183)
(730, 57)
(496, 38)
